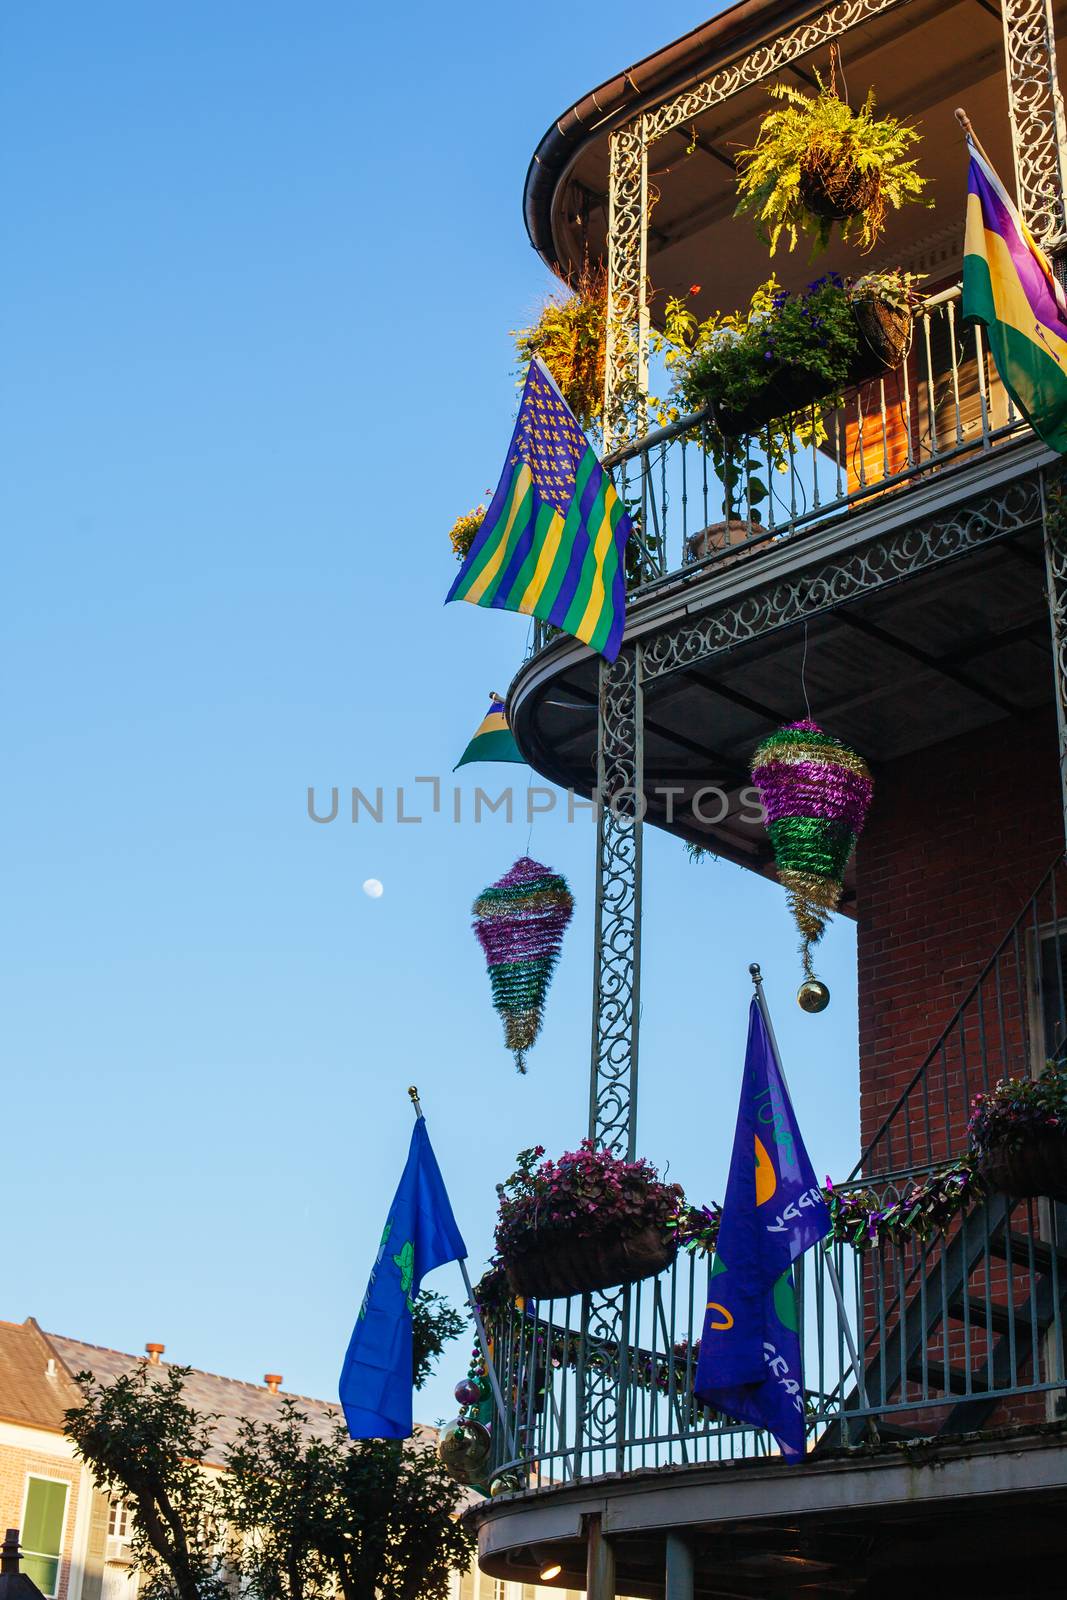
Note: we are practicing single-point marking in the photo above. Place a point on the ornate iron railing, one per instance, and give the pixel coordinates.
(961, 1330)
(941, 407)
(959, 1321)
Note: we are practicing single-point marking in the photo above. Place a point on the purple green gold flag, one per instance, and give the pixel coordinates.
(1009, 286)
(553, 541)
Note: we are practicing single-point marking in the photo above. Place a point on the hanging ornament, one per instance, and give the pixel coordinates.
(520, 921)
(463, 1449)
(816, 792)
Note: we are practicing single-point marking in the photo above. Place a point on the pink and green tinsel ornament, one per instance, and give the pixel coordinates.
(816, 792)
(520, 921)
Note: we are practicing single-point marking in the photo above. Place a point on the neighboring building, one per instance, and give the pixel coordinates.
(915, 563)
(75, 1540)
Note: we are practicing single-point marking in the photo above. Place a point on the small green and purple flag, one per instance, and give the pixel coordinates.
(493, 739)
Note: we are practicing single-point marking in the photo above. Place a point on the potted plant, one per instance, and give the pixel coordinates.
(883, 308)
(816, 162)
(586, 1221)
(570, 337)
(1018, 1135)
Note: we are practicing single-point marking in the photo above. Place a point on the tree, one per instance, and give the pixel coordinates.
(142, 1439)
(375, 1519)
(301, 1514)
(434, 1323)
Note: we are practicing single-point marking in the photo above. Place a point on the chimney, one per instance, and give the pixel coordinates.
(273, 1380)
(49, 1372)
(154, 1353)
(9, 1551)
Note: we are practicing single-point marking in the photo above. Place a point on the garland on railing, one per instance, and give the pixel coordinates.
(860, 1219)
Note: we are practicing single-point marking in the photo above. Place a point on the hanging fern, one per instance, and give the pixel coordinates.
(816, 162)
(570, 337)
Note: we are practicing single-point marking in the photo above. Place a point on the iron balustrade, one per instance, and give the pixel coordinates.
(942, 407)
(957, 1330)
(960, 1330)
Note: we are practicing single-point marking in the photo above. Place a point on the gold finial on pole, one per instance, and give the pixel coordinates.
(964, 121)
(413, 1095)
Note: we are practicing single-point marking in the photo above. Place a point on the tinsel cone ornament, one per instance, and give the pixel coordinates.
(816, 792)
(520, 921)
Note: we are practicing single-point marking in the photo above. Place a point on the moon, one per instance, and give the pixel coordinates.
(372, 888)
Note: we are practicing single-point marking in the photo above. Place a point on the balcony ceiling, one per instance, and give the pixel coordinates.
(922, 58)
(952, 651)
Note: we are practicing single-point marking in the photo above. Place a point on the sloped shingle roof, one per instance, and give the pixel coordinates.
(28, 1392)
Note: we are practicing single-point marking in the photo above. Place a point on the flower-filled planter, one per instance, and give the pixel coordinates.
(817, 164)
(1018, 1135)
(790, 352)
(587, 1221)
(570, 337)
(883, 308)
(785, 353)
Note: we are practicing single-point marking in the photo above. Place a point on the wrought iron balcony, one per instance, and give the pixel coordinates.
(958, 1329)
(944, 406)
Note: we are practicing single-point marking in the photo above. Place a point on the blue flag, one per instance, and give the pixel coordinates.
(420, 1234)
(749, 1365)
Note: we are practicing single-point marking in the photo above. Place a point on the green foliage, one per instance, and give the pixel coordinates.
(893, 288)
(729, 360)
(143, 1441)
(434, 1323)
(570, 337)
(818, 139)
(1016, 1109)
(321, 1516)
(300, 1514)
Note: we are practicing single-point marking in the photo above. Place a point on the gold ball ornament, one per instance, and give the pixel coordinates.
(813, 996)
(463, 1450)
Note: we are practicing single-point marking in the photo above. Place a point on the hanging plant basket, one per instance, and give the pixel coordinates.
(572, 1265)
(836, 191)
(884, 337)
(1036, 1167)
(788, 389)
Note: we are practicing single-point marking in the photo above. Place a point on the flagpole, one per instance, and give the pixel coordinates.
(831, 1269)
(483, 1342)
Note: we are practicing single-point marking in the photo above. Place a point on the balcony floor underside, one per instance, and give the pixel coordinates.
(926, 1518)
(947, 649)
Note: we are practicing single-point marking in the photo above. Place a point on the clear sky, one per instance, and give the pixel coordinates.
(260, 262)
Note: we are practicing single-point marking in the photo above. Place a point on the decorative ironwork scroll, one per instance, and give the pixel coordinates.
(626, 361)
(616, 1005)
(616, 980)
(1038, 127)
(1054, 509)
(761, 63)
(1008, 509)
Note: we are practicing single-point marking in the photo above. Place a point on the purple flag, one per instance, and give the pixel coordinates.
(750, 1362)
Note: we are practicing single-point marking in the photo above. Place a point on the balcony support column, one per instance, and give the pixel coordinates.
(600, 1563)
(1038, 125)
(626, 355)
(679, 1568)
(1054, 514)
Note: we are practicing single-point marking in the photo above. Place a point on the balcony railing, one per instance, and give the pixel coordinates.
(959, 1331)
(956, 1330)
(943, 406)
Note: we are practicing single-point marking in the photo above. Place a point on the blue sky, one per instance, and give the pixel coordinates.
(260, 266)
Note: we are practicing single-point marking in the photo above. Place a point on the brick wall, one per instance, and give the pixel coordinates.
(956, 842)
(18, 1462)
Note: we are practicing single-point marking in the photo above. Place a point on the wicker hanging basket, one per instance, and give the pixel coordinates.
(837, 192)
(884, 337)
(563, 1266)
(1038, 1167)
(787, 390)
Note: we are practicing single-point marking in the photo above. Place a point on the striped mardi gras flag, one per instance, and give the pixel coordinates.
(552, 542)
(494, 740)
(1009, 285)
